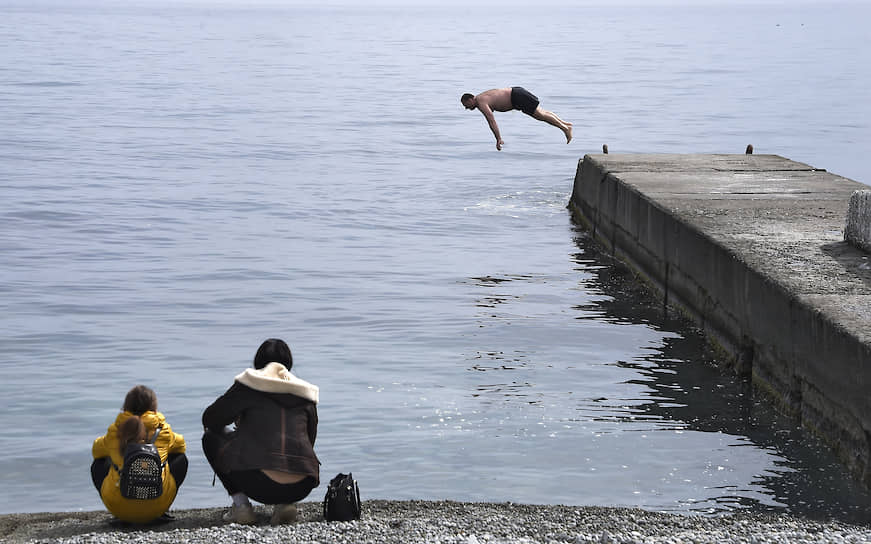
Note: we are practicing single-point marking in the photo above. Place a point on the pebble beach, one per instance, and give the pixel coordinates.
(443, 522)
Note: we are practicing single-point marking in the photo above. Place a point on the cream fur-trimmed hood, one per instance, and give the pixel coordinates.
(275, 378)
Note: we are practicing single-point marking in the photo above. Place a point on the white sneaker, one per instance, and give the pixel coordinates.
(284, 513)
(243, 515)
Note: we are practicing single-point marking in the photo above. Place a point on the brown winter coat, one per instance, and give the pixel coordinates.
(276, 420)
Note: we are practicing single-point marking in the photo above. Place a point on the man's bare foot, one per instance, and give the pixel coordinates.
(568, 132)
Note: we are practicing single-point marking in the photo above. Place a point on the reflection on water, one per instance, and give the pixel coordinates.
(583, 384)
(691, 391)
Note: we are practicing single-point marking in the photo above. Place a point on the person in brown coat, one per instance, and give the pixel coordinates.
(269, 456)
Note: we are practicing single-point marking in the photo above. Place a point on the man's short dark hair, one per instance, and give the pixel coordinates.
(467, 96)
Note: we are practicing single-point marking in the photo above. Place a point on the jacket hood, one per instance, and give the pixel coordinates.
(275, 378)
(151, 420)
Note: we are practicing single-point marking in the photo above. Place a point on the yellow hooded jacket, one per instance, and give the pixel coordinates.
(133, 510)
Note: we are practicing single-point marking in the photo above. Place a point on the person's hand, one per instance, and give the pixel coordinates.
(499, 145)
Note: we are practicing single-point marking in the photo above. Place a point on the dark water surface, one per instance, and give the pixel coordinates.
(178, 183)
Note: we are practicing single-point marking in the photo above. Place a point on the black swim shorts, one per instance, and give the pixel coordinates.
(523, 100)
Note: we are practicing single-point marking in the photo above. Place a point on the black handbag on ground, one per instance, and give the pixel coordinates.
(342, 502)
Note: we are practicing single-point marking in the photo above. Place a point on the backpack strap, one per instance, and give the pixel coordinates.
(154, 438)
(156, 432)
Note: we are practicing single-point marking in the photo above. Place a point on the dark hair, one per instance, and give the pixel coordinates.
(132, 430)
(273, 351)
(139, 400)
(466, 96)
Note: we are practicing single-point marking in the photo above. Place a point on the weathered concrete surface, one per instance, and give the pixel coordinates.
(858, 229)
(752, 247)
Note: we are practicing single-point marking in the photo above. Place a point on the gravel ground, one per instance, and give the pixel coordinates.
(441, 522)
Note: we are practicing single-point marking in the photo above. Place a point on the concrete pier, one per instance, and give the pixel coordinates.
(752, 247)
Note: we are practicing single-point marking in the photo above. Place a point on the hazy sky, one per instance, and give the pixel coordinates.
(487, 3)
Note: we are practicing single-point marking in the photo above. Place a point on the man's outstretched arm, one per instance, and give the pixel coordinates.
(491, 120)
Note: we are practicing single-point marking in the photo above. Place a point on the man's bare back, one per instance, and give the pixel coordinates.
(507, 99)
(495, 99)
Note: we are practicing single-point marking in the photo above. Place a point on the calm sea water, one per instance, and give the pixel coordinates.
(179, 182)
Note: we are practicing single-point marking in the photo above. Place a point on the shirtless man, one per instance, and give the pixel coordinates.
(512, 98)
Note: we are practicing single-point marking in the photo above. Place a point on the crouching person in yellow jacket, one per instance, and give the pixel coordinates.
(137, 423)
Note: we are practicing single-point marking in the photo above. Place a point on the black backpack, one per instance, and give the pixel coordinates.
(342, 502)
(142, 472)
